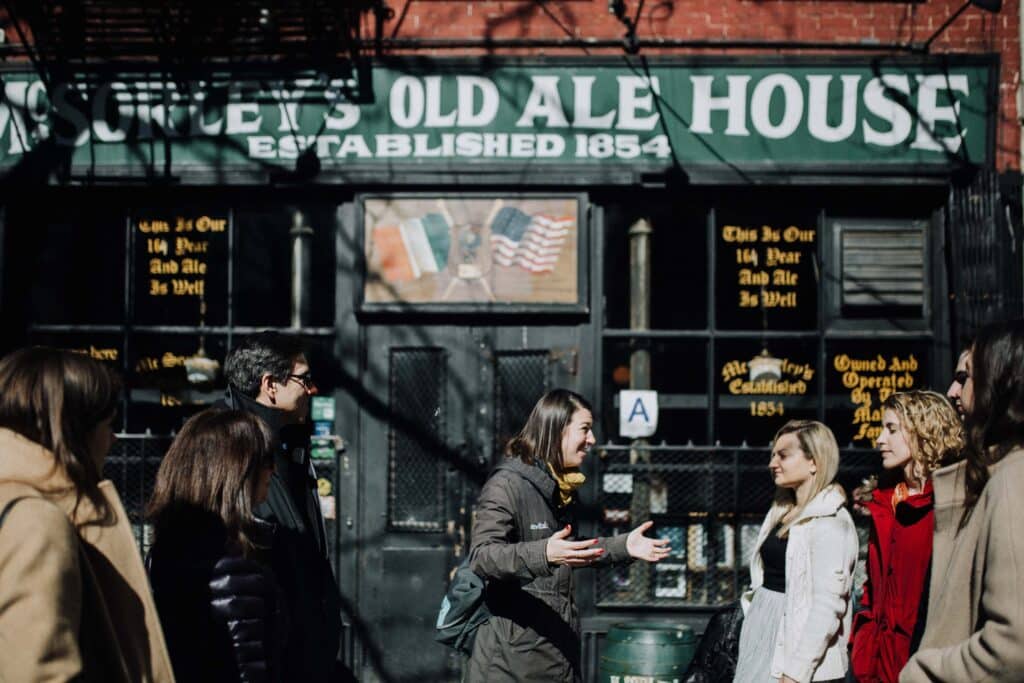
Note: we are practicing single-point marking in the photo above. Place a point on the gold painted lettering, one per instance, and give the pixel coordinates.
(153, 227)
(795, 234)
(779, 257)
(749, 277)
(734, 233)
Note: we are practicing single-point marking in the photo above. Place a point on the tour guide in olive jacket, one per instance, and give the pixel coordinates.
(533, 633)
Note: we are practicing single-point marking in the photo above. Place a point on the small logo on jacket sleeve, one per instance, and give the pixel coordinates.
(538, 526)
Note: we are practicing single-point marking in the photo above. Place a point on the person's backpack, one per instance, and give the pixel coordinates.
(462, 609)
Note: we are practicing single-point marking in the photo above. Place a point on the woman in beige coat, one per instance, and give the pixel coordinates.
(975, 623)
(74, 599)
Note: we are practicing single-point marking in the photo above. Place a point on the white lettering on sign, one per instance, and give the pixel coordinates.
(880, 99)
(543, 102)
(583, 115)
(606, 114)
(735, 103)
(468, 86)
(406, 102)
(631, 103)
(792, 106)
(930, 112)
(817, 108)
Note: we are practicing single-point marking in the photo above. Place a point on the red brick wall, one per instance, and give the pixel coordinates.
(871, 22)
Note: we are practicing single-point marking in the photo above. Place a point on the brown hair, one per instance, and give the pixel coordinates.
(212, 468)
(935, 433)
(57, 398)
(540, 439)
(995, 422)
(818, 443)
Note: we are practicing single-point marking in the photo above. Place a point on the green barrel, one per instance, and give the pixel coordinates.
(646, 653)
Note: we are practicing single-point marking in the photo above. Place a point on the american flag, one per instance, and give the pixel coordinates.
(533, 243)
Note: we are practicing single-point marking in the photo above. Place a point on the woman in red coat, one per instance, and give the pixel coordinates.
(920, 433)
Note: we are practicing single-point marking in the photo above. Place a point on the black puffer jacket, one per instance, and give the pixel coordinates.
(222, 614)
(299, 556)
(533, 633)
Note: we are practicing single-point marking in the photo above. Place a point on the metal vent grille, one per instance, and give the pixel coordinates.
(883, 267)
(416, 439)
(521, 377)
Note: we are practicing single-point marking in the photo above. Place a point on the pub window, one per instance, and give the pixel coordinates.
(679, 263)
(880, 270)
(767, 270)
(162, 290)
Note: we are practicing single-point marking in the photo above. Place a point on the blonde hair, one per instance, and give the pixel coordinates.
(818, 443)
(934, 432)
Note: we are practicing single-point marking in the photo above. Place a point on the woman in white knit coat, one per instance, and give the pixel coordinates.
(797, 611)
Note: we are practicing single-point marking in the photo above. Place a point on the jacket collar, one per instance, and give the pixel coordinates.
(275, 419)
(27, 462)
(826, 504)
(540, 478)
(293, 437)
(948, 485)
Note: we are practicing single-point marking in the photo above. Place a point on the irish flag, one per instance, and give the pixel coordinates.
(413, 248)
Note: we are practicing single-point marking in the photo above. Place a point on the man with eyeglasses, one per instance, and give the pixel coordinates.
(268, 375)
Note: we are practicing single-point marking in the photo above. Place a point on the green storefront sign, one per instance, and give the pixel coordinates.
(451, 116)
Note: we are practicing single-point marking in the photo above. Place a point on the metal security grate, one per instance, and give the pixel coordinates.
(883, 265)
(710, 503)
(985, 242)
(131, 466)
(416, 439)
(521, 377)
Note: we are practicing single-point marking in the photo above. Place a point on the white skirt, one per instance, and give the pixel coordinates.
(758, 637)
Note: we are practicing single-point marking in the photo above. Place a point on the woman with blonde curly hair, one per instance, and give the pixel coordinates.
(920, 433)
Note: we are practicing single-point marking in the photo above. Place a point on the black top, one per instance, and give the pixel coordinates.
(773, 556)
(223, 615)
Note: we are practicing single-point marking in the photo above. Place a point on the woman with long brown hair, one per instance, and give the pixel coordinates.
(523, 544)
(219, 603)
(975, 625)
(74, 600)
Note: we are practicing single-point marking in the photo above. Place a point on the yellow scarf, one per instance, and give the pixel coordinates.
(568, 481)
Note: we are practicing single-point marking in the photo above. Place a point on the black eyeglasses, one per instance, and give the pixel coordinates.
(961, 376)
(305, 379)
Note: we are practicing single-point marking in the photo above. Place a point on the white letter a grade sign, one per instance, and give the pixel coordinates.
(638, 413)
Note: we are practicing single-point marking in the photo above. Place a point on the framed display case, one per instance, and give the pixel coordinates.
(473, 253)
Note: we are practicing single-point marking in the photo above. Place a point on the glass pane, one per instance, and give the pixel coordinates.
(762, 385)
(70, 261)
(862, 373)
(678, 264)
(766, 274)
(679, 376)
(263, 264)
(181, 266)
(171, 377)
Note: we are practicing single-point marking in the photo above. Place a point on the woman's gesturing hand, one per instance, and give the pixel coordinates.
(644, 548)
(572, 553)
